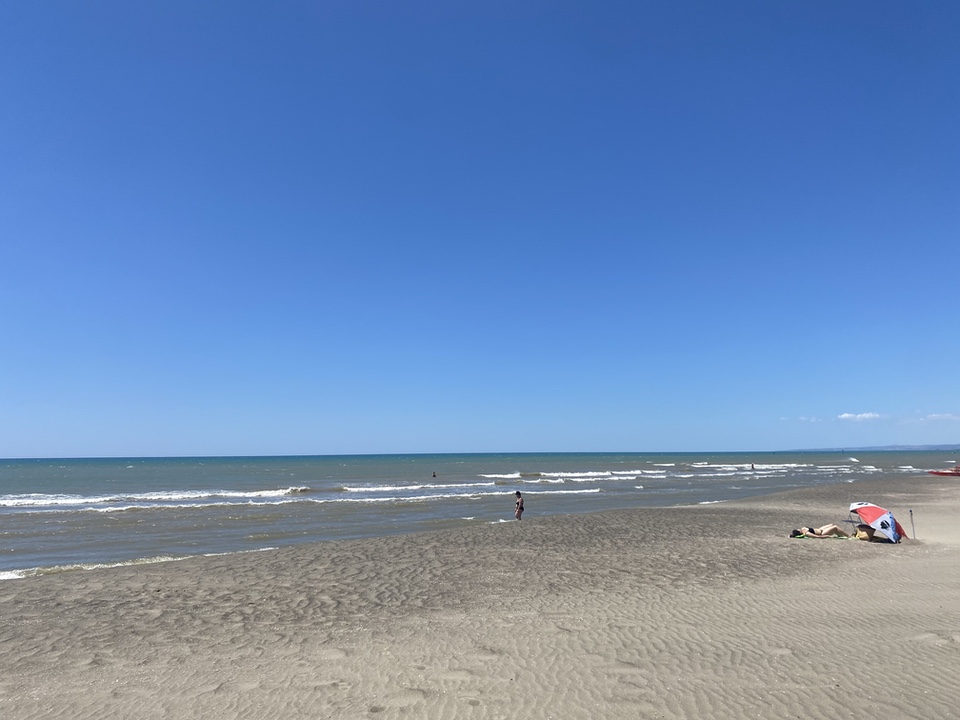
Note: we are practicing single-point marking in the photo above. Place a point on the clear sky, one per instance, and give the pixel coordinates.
(366, 226)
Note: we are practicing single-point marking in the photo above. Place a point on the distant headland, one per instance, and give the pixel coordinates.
(889, 448)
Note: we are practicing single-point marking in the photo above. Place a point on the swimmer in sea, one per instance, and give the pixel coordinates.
(519, 511)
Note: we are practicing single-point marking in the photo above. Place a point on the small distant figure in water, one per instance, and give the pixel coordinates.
(518, 513)
(752, 467)
(823, 531)
(434, 474)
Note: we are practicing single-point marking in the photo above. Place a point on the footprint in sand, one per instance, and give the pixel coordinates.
(781, 651)
(459, 675)
(933, 638)
(331, 654)
(405, 699)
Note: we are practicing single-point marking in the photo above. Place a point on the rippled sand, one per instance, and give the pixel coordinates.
(701, 612)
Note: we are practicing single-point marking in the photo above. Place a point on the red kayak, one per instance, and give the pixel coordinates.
(952, 473)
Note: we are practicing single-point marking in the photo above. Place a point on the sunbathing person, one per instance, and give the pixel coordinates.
(824, 531)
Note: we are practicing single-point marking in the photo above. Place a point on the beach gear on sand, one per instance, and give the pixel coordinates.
(879, 519)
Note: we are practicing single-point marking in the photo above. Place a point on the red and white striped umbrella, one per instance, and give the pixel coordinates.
(879, 519)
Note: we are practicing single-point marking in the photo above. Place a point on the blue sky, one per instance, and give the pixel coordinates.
(349, 227)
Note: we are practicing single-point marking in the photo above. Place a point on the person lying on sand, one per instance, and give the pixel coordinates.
(824, 531)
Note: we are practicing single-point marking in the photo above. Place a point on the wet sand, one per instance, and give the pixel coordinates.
(696, 612)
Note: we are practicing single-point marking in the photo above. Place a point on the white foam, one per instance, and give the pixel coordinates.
(565, 492)
(45, 500)
(53, 569)
(187, 506)
(65, 500)
(425, 486)
(32, 572)
(588, 474)
(236, 552)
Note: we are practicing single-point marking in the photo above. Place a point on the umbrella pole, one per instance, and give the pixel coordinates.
(912, 528)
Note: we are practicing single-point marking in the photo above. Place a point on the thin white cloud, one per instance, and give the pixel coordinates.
(858, 417)
(941, 416)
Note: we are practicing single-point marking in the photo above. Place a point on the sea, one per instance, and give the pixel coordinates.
(80, 514)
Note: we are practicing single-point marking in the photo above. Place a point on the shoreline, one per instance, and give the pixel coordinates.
(165, 555)
(95, 514)
(706, 610)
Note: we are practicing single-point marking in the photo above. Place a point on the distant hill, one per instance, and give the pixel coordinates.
(893, 448)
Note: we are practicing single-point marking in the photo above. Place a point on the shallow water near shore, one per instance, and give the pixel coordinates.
(59, 515)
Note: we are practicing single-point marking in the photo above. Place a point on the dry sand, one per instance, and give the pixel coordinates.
(703, 612)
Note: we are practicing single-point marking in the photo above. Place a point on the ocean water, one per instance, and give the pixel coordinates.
(61, 515)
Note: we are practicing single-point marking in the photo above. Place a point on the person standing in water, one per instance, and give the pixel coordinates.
(519, 511)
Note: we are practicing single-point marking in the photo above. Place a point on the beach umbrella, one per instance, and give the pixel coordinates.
(879, 519)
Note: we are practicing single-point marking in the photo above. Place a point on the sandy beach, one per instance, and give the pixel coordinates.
(694, 612)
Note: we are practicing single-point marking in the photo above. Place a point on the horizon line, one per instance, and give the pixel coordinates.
(875, 448)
